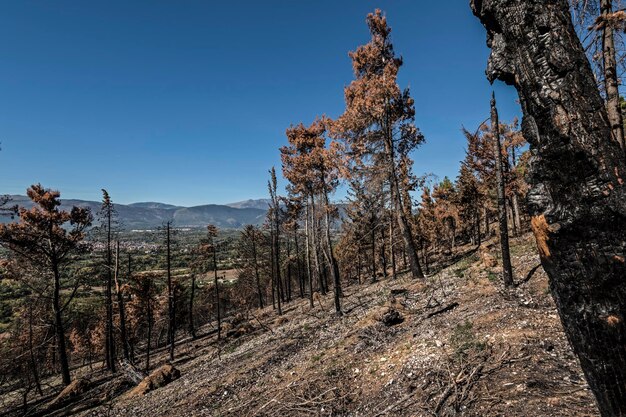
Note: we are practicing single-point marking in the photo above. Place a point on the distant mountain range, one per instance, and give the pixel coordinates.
(148, 215)
(261, 203)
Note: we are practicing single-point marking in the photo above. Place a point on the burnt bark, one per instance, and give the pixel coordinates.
(577, 199)
(507, 269)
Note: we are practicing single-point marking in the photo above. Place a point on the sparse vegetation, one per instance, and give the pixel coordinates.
(416, 295)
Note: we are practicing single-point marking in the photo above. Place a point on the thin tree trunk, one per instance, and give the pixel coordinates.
(611, 81)
(192, 328)
(308, 255)
(516, 213)
(383, 250)
(149, 343)
(216, 284)
(289, 277)
(33, 361)
(478, 235)
(486, 218)
(511, 217)
(171, 334)
(256, 270)
(299, 264)
(279, 294)
(507, 269)
(391, 235)
(131, 345)
(272, 268)
(120, 304)
(58, 325)
(577, 196)
(358, 265)
(334, 266)
(110, 340)
(316, 256)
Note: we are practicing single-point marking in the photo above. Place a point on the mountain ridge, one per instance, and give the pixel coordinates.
(147, 215)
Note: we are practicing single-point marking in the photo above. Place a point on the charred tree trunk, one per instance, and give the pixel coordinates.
(289, 270)
(507, 269)
(272, 267)
(109, 340)
(486, 218)
(171, 329)
(58, 324)
(120, 304)
(578, 198)
(478, 236)
(383, 251)
(149, 341)
(332, 261)
(256, 270)
(394, 269)
(277, 279)
(131, 344)
(298, 264)
(216, 284)
(307, 242)
(192, 328)
(316, 256)
(611, 81)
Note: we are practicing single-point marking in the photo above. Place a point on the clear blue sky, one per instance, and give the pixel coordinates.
(187, 102)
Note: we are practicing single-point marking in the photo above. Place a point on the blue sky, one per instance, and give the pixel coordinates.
(187, 102)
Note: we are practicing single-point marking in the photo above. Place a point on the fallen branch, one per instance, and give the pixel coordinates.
(443, 310)
(528, 276)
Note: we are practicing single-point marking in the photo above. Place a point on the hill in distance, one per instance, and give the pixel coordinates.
(148, 215)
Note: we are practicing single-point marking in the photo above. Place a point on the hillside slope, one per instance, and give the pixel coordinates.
(493, 354)
(453, 345)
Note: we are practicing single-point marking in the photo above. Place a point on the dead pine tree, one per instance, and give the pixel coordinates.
(274, 215)
(577, 198)
(47, 238)
(212, 232)
(171, 310)
(378, 123)
(192, 291)
(507, 269)
(107, 221)
(120, 303)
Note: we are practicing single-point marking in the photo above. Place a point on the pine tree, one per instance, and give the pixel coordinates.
(378, 123)
(43, 239)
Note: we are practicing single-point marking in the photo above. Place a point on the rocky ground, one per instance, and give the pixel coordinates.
(456, 344)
